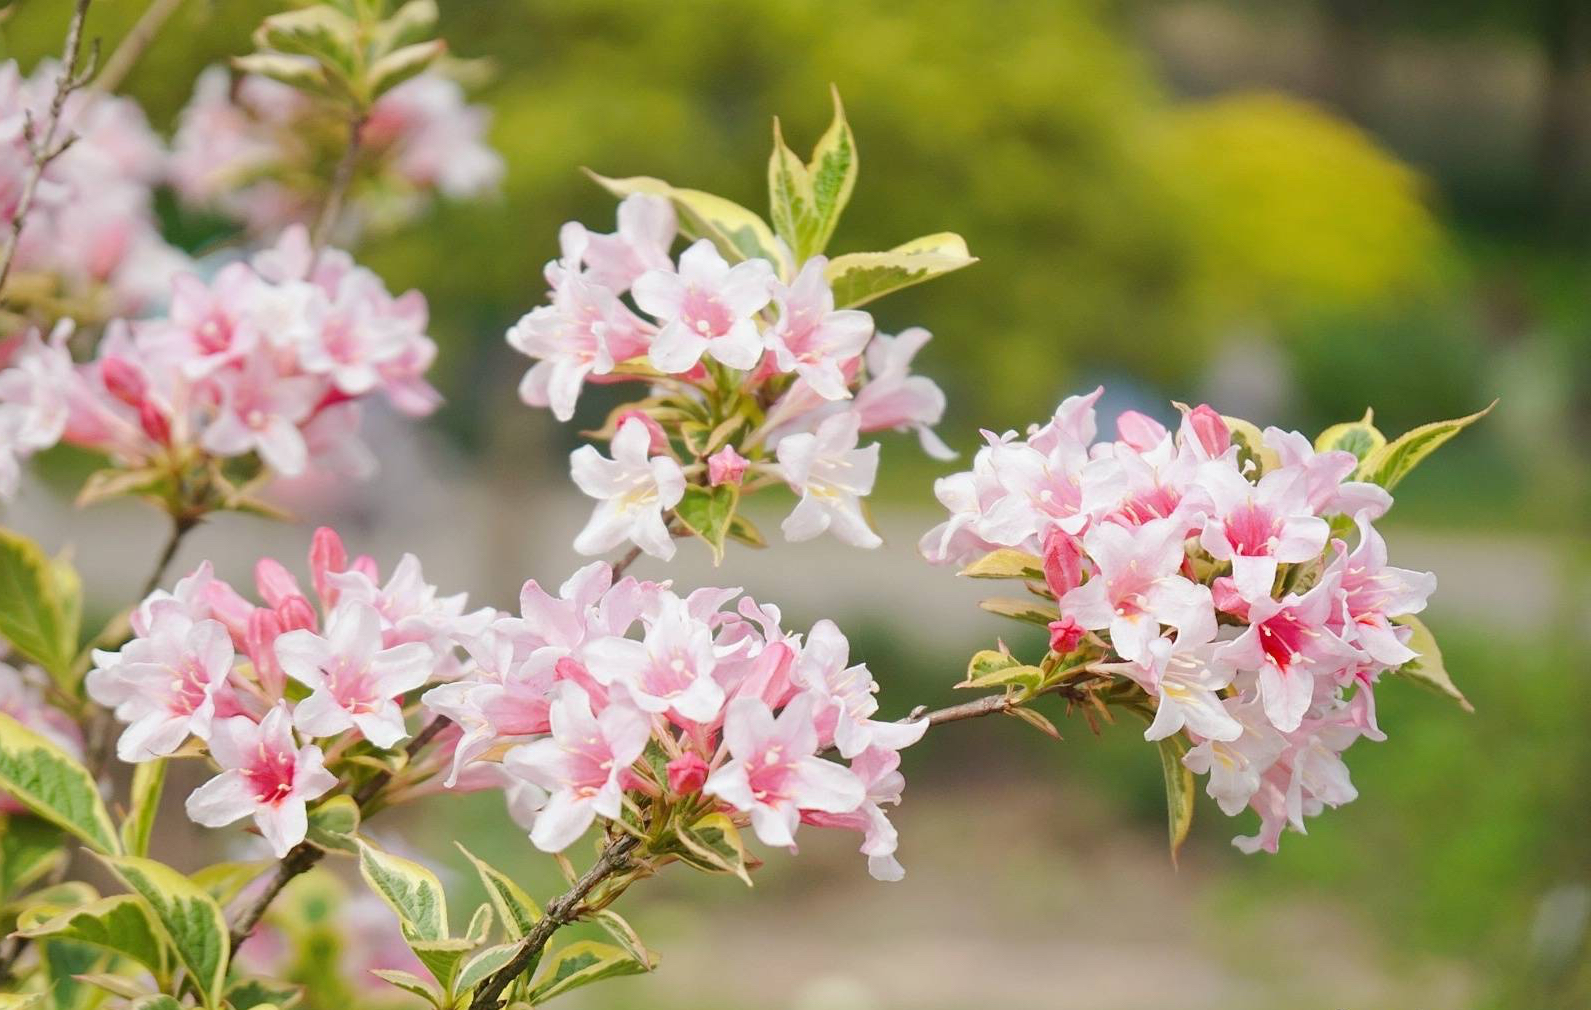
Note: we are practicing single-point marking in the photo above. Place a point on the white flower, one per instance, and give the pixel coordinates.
(831, 474)
(708, 307)
(634, 492)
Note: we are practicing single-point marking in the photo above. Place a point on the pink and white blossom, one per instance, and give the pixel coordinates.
(706, 307)
(164, 683)
(633, 490)
(831, 475)
(264, 775)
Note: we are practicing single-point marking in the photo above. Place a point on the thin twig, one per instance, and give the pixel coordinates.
(44, 148)
(625, 561)
(181, 526)
(133, 47)
(342, 178)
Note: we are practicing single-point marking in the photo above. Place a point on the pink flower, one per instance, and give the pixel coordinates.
(1185, 676)
(1140, 431)
(831, 475)
(895, 399)
(163, 684)
(646, 231)
(708, 307)
(774, 772)
(1065, 634)
(581, 765)
(34, 405)
(353, 679)
(264, 774)
(726, 466)
(1258, 527)
(1373, 592)
(843, 696)
(1138, 588)
(1206, 431)
(1291, 646)
(261, 410)
(1236, 765)
(686, 774)
(878, 769)
(811, 338)
(670, 671)
(633, 492)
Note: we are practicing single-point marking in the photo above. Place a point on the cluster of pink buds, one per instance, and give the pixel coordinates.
(255, 683)
(654, 711)
(754, 377)
(90, 239)
(1211, 568)
(247, 147)
(269, 360)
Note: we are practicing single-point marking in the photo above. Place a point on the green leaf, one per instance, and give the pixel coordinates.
(116, 985)
(990, 668)
(23, 1000)
(1179, 791)
(805, 201)
(120, 924)
(737, 232)
(158, 1001)
(224, 881)
(713, 844)
(51, 783)
(411, 983)
(400, 65)
(1006, 563)
(1031, 611)
(480, 926)
(295, 71)
(29, 849)
(414, 22)
(515, 909)
(581, 964)
(442, 958)
(482, 964)
(411, 890)
(1427, 669)
(188, 917)
(741, 529)
(251, 991)
(1250, 442)
(333, 826)
(858, 278)
(1393, 461)
(320, 32)
(149, 779)
(1359, 437)
(707, 513)
(625, 935)
(39, 603)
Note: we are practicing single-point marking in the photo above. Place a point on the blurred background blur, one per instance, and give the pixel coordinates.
(1294, 209)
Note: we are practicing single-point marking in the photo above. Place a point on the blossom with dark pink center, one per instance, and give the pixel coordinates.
(163, 684)
(266, 775)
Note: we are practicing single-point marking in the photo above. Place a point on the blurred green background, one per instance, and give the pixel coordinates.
(1297, 209)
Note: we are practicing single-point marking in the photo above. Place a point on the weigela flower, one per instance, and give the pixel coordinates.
(266, 775)
(634, 490)
(895, 399)
(831, 475)
(163, 684)
(707, 307)
(811, 338)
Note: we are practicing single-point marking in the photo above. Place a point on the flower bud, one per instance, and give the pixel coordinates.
(296, 613)
(154, 423)
(687, 774)
(1228, 599)
(1210, 428)
(274, 581)
(123, 380)
(326, 555)
(260, 644)
(1064, 635)
(1063, 562)
(726, 466)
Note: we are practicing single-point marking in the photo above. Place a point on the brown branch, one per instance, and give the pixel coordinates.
(181, 526)
(625, 561)
(342, 178)
(135, 44)
(44, 148)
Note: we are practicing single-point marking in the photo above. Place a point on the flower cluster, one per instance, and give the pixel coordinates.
(259, 150)
(756, 378)
(1210, 568)
(90, 240)
(703, 710)
(255, 683)
(270, 357)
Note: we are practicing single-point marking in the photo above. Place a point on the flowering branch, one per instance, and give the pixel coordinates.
(44, 147)
(137, 42)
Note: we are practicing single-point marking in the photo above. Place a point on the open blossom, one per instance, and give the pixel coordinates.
(355, 681)
(1204, 578)
(670, 670)
(163, 684)
(845, 697)
(811, 338)
(265, 775)
(893, 398)
(831, 475)
(580, 764)
(646, 230)
(707, 307)
(774, 771)
(633, 489)
(878, 768)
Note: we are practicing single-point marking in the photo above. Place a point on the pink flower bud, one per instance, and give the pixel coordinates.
(1211, 429)
(726, 466)
(659, 443)
(1228, 599)
(1140, 431)
(296, 613)
(260, 644)
(687, 774)
(228, 607)
(1064, 635)
(154, 422)
(274, 582)
(366, 565)
(326, 555)
(1063, 562)
(123, 380)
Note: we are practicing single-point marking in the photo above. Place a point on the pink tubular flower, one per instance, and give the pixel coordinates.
(1206, 430)
(897, 400)
(647, 227)
(1374, 592)
(264, 774)
(34, 405)
(831, 475)
(843, 696)
(774, 772)
(580, 765)
(633, 492)
(670, 671)
(811, 338)
(686, 774)
(878, 770)
(1258, 527)
(1290, 644)
(586, 331)
(163, 683)
(708, 307)
(354, 680)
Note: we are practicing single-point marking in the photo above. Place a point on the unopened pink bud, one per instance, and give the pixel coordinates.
(1140, 431)
(326, 555)
(687, 774)
(274, 582)
(296, 613)
(726, 466)
(123, 380)
(228, 607)
(1063, 562)
(154, 422)
(659, 443)
(1064, 635)
(260, 644)
(1210, 428)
